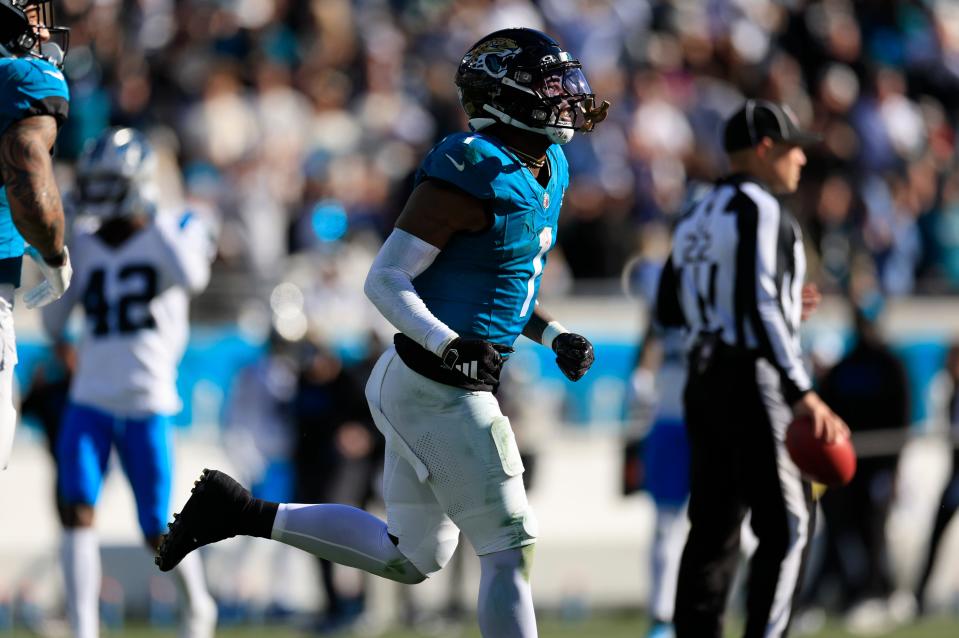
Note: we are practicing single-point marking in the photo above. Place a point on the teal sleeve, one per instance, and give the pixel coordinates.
(30, 87)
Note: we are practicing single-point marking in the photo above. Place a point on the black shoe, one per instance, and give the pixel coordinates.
(211, 514)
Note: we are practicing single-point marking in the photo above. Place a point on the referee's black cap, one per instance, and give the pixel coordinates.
(760, 118)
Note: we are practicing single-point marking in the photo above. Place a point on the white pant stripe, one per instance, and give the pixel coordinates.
(790, 567)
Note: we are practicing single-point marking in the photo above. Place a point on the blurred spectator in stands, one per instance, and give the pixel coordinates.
(891, 232)
(949, 501)
(258, 438)
(48, 396)
(257, 90)
(221, 127)
(280, 111)
(945, 235)
(336, 459)
(867, 388)
(834, 229)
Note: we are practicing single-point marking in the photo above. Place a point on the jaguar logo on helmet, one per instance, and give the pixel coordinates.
(523, 78)
(493, 56)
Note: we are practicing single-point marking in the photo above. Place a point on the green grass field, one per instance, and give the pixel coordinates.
(624, 626)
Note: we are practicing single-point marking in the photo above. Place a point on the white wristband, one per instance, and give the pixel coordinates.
(553, 330)
(438, 344)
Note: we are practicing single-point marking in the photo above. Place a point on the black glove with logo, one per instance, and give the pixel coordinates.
(574, 354)
(476, 358)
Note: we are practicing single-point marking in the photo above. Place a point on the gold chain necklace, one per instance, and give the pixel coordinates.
(528, 159)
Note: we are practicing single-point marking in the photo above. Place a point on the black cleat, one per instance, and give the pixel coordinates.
(211, 514)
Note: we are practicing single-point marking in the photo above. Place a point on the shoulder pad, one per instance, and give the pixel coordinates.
(176, 224)
(172, 222)
(468, 161)
(29, 87)
(185, 218)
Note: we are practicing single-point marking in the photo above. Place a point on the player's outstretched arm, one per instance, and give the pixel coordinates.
(192, 244)
(27, 170)
(574, 352)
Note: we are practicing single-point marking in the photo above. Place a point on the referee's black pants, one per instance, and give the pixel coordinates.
(736, 419)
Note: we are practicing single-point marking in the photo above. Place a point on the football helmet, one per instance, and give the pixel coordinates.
(116, 175)
(21, 24)
(523, 78)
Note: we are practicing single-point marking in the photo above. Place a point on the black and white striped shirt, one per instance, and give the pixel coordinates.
(736, 271)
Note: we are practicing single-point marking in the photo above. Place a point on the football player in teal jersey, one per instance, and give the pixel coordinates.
(458, 277)
(33, 104)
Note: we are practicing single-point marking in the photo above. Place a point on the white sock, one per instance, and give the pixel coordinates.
(198, 609)
(8, 427)
(344, 535)
(80, 555)
(667, 550)
(505, 606)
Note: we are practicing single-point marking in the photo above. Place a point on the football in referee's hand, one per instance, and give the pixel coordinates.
(831, 463)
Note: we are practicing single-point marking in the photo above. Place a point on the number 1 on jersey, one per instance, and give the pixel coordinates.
(545, 241)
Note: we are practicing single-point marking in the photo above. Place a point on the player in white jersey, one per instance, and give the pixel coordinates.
(133, 276)
(657, 386)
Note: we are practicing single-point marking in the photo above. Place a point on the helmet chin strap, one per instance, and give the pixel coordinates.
(554, 134)
(479, 123)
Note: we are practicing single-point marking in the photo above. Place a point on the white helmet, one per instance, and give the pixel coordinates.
(116, 175)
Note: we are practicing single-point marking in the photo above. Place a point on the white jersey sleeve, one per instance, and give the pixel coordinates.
(192, 247)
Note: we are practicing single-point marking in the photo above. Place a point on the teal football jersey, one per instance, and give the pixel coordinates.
(28, 87)
(484, 285)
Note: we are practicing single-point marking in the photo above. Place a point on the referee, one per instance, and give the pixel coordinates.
(735, 281)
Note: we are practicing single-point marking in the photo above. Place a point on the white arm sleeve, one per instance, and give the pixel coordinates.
(389, 285)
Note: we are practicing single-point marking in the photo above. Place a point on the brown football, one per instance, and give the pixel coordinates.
(833, 464)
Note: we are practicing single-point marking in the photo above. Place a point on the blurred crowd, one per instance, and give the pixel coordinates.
(298, 125)
(300, 122)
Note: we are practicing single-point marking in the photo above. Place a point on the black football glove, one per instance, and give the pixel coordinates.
(476, 358)
(574, 354)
